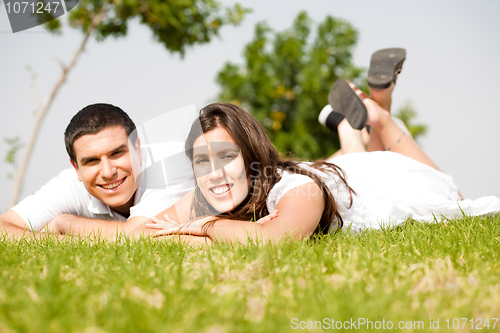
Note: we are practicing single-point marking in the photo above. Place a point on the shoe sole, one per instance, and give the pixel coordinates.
(344, 100)
(383, 66)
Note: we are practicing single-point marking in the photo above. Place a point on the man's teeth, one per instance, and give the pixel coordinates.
(112, 186)
(221, 190)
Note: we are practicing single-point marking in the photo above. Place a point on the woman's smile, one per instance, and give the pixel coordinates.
(221, 191)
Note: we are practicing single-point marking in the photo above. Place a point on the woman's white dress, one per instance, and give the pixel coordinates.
(390, 188)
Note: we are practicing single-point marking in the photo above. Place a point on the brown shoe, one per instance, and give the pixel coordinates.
(385, 65)
(344, 100)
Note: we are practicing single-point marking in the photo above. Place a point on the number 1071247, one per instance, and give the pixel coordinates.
(472, 323)
(31, 7)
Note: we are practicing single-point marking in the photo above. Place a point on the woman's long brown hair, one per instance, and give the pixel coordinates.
(262, 163)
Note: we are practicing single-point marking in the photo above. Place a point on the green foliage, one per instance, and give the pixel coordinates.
(15, 145)
(412, 273)
(286, 78)
(407, 114)
(175, 23)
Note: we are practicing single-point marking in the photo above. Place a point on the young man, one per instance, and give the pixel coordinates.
(104, 195)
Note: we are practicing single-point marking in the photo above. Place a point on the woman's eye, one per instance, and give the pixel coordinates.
(229, 156)
(201, 161)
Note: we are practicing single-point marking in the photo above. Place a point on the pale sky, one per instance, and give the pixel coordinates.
(451, 76)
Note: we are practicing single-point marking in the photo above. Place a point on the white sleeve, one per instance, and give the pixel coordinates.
(63, 194)
(287, 182)
(154, 201)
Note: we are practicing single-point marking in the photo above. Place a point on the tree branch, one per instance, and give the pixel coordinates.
(21, 170)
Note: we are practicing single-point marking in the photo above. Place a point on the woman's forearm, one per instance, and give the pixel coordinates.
(243, 231)
(195, 241)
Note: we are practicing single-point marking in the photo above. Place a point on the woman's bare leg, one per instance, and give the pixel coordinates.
(351, 140)
(365, 136)
(371, 141)
(349, 137)
(382, 97)
(390, 134)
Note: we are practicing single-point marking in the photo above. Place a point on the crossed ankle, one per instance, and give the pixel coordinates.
(382, 97)
(379, 118)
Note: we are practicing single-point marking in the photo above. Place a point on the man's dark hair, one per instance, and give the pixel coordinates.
(94, 118)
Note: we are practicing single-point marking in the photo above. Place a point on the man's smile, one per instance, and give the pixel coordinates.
(114, 185)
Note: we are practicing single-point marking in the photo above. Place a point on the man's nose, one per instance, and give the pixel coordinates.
(107, 168)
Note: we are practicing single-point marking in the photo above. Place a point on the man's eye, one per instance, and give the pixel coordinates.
(90, 162)
(117, 153)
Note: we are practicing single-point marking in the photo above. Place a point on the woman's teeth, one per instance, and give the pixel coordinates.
(221, 189)
(113, 185)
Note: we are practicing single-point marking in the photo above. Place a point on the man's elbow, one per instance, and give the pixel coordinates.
(10, 219)
(11, 230)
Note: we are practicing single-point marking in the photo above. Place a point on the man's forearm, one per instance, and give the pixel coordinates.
(243, 231)
(12, 230)
(69, 224)
(15, 232)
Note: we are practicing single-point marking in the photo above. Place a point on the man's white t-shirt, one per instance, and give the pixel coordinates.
(157, 191)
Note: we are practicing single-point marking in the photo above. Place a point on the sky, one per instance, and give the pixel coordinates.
(450, 76)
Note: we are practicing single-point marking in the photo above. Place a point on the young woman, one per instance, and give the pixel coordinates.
(240, 180)
(245, 191)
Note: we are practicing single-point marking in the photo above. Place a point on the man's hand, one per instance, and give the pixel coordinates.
(53, 226)
(141, 231)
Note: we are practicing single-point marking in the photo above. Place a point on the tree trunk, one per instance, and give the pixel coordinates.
(21, 170)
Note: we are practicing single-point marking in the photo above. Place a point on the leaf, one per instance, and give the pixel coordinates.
(15, 145)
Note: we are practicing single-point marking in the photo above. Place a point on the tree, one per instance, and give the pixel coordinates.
(285, 81)
(177, 24)
(286, 78)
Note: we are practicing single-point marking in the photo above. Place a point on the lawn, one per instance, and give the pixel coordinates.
(411, 276)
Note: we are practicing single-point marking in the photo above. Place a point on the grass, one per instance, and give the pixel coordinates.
(410, 274)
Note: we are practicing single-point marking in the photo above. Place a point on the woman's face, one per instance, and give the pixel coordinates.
(220, 170)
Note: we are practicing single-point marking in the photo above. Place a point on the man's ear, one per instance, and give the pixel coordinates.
(75, 165)
(138, 149)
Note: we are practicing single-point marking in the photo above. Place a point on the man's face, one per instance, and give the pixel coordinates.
(106, 163)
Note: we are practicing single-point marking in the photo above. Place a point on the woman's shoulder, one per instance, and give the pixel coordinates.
(287, 182)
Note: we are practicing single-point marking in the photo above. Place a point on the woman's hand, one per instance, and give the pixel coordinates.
(272, 216)
(194, 227)
(171, 227)
(168, 222)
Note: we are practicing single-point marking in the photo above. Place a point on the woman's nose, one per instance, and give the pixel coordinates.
(216, 171)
